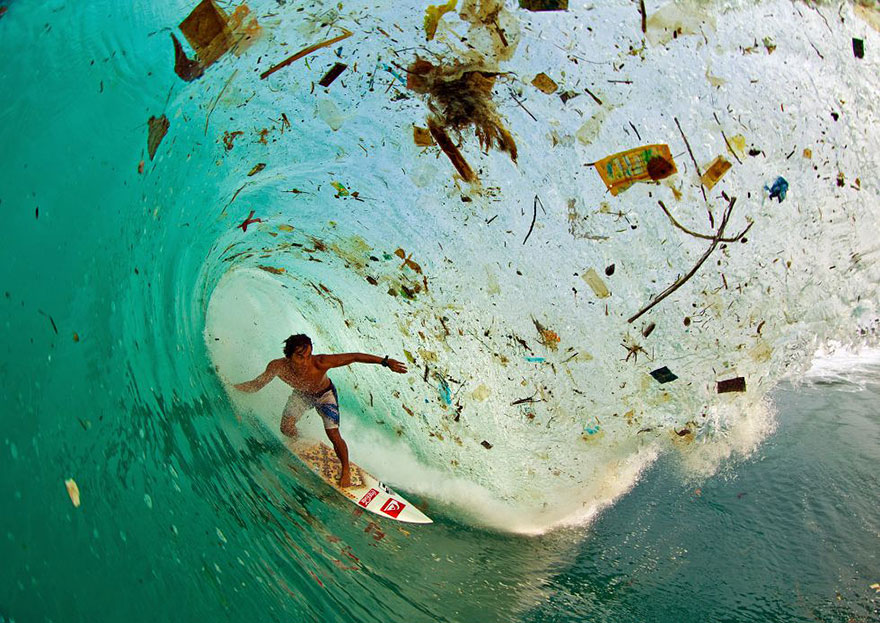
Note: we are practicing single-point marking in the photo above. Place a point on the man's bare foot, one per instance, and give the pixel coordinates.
(345, 479)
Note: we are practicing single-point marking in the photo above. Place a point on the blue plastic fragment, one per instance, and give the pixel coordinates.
(778, 190)
(534, 359)
(590, 429)
(445, 392)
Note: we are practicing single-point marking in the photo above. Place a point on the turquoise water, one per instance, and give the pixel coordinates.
(125, 314)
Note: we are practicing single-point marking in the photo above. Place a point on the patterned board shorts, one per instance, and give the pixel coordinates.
(326, 404)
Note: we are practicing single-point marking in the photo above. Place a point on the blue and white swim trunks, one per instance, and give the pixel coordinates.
(325, 403)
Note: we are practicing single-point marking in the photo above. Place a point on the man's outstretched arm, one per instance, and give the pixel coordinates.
(258, 383)
(344, 359)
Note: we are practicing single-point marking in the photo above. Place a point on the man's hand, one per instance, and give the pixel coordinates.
(397, 366)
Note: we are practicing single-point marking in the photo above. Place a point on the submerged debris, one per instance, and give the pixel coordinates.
(732, 385)
(596, 284)
(858, 46)
(207, 31)
(459, 98)
(544, 5)
(778, 189)
(158, 128)
(186, 68)
(332, 74)
(305, 52)
(663, 375)
(545, 84)
(649, 163)
(433, 14)
(715, 172)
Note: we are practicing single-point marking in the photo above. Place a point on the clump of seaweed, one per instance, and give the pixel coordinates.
(459, 98)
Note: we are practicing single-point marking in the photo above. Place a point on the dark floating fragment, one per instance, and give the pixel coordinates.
(609, 270)
(186, 68)
(158, 128)
(732, 385)
(486, 444)
(544, 5)
(858, 48)
(333, 74)
(663, 375)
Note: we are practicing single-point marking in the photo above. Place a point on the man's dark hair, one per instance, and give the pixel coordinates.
(295, 343)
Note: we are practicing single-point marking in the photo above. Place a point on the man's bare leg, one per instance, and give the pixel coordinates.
(342, 452)
(288, 427)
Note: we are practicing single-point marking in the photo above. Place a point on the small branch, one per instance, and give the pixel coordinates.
(305, 52)
(219, 95)
(726, 142)
(679, 282)
(534, 216)
(595, 99)
(523, 107)
(644, 16)
(694, 160)
(703, 236)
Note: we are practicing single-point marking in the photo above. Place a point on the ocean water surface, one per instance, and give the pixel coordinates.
(568, 477)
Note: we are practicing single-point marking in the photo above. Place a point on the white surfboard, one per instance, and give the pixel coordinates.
(365, 490)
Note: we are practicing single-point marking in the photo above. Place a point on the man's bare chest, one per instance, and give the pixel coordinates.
(308, 379)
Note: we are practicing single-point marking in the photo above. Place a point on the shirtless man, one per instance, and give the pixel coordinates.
(307, 375)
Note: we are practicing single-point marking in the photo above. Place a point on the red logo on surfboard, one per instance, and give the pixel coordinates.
(365, 501)
(392, 507)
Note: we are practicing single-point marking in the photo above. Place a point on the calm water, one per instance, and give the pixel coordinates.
(190, 511)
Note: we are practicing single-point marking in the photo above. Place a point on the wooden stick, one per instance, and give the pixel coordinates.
(703, 236)
(305, 52)
(644, 16)
(679, 282)
(534, 216)
(694, 160)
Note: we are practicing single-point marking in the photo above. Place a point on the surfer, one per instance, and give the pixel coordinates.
(307, 375)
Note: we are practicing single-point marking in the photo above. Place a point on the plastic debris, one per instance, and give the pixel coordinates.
(332, 74)
(858, 46)
(433, 14)
(271, 269)
(244, 31)
(649, 163)
(535, 359)
(422, 136)
(663, 375)
(186, 68)
(486, 444)
(158, 128)
(544, 5)
(341, 191)
(596, 284)
(545, 84)
(72, 491)
(305, 52)
(732, 385)
(207, 31)
(778, 189)
(249, 221)
(715, 172)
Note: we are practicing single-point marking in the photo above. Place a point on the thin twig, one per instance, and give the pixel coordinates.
(694, 160)
(726, 142)
(219, 95)
(534, 216)
(678, 283)
(634, 130)
(305, 52)
(595, 99)
(523, 107)
(644, 16)
(703, 236)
